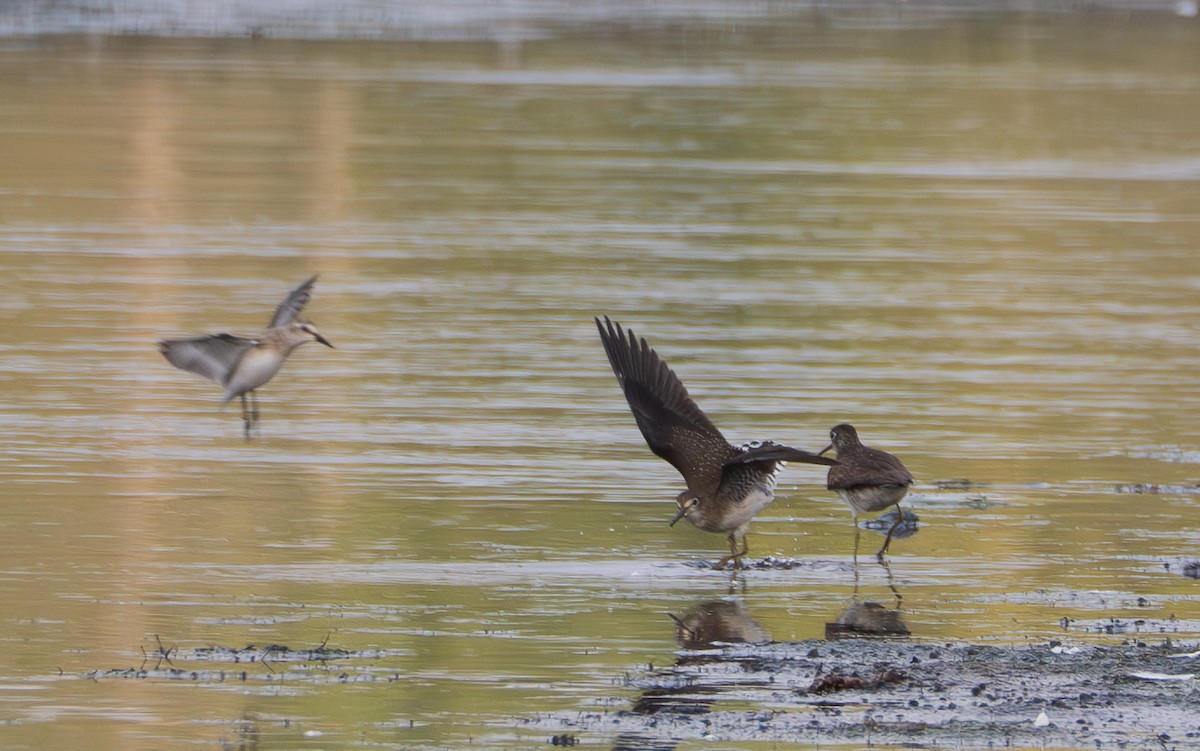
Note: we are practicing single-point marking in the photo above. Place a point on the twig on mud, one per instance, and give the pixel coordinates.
(163, 653)
(263, 658)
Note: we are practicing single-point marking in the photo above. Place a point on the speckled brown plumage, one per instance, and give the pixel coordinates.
(726, 484)
(867, 479)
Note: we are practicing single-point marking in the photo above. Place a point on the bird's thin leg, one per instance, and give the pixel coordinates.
(857, 534)
(734, 554)
(245, 417)
(254, 407)
(888, 540)
(737, 555)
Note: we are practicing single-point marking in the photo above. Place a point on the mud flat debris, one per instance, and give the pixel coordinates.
(265, 662)
(881, 693)
(1146, 627)
(836, 681)
(1139, 488)
(270, 652)
(777, 563)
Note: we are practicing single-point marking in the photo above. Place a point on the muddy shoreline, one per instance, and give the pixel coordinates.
(867, 684)
(1136, 694)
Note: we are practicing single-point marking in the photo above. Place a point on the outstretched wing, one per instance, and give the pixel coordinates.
(769, 451)
(210, 356)
(674, 427)
(292, 304)
(868, 467)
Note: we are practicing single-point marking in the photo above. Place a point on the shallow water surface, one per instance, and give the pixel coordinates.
(974, 239)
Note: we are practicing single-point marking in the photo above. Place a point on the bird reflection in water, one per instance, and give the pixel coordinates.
(869, 619)
(717, 622)
(676, 692)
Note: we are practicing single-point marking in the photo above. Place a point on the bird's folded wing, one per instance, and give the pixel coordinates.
(868, 467)
(292, 304)
(674, 427)
(210, 356)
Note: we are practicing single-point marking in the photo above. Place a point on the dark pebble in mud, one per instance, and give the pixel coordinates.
(883, 693)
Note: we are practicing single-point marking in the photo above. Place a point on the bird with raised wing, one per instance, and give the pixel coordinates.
(243, 364)
(726, 484)
(867, 479)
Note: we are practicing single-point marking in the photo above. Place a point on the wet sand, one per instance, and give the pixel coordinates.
(867, 683)
(1137, 694)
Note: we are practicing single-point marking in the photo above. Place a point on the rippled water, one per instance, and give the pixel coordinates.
(976, 240)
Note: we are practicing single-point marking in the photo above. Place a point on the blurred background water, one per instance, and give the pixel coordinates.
(973, 234)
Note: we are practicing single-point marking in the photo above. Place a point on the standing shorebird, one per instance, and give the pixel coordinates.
(726, 485)
(241, 364)
(866, 478)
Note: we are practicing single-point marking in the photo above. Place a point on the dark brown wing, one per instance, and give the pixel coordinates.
(292, 304)
(777, 452)
(867, 467)
(674, 427)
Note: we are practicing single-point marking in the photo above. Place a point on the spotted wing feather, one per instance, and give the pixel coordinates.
(674, 427)
(210, 356)
(770, 451)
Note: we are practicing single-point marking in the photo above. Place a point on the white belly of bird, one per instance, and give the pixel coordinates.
(254, 369)
(756, 500)
(871, 499)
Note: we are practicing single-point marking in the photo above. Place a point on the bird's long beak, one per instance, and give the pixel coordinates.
(822, 451)
(323, 340)
(678, 515)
